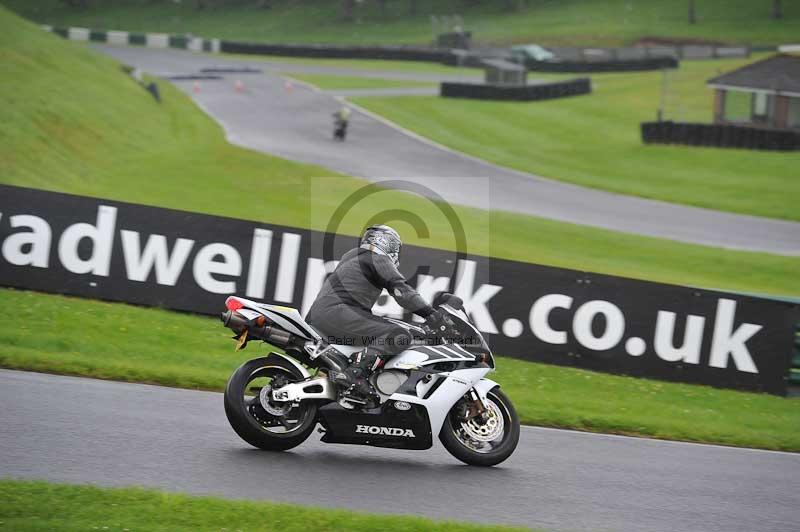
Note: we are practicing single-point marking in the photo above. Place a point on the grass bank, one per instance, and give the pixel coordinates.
(27, 506)
(595, 141)
(49, 333)
(74, 121)
(601, 22)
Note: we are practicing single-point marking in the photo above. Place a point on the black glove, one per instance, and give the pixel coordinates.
(440, 323)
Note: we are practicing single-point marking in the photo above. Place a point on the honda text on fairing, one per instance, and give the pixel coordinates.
(435, 387)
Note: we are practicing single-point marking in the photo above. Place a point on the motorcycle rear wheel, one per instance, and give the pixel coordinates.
(483, 442)
(252, 422)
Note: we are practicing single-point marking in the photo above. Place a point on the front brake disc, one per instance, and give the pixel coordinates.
(488, 429)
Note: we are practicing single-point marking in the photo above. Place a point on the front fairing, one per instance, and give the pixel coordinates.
(471, 338)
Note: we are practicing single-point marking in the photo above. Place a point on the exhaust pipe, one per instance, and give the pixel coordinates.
(234, 321)
(238, 323)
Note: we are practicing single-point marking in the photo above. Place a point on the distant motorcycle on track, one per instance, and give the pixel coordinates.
(341, 119)
(436, 387)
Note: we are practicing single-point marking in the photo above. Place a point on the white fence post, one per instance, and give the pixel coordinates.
(78, 34)
(117, 37)
(157, 40)
(195, 44)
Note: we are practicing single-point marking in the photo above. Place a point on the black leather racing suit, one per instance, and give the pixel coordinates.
(342, 311)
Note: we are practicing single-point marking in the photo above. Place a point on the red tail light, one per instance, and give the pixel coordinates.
(233, 304)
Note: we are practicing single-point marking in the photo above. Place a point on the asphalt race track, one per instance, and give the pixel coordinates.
(297, 124)
(77, 430)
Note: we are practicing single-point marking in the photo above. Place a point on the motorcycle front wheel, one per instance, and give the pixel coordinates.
(482, 440)
(277, 427)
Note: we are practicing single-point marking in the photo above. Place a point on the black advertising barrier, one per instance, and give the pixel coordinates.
(464, 58)
(719, 136)
(622, 65)
(186, 261)
(539, 91)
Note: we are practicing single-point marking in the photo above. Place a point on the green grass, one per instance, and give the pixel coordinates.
(49, 333)
(125, 343)
(42, 506)
(336, 82)
(595, 141)
(74, 123)
(603, 22)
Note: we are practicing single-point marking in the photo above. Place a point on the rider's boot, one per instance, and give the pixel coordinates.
(355, 377)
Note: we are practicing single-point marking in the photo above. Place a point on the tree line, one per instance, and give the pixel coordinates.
(347, 9)
(411, 7)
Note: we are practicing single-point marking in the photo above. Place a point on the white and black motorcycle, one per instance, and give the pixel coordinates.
(434, 387)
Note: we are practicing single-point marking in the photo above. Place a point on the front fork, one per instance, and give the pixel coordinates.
(477, 395)
(475, 406)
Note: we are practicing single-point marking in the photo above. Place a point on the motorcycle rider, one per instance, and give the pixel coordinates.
(341, 119)
(342, 310)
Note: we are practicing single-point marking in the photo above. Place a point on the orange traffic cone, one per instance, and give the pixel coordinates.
(288, 86)
(196, 87)
(238, 87)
